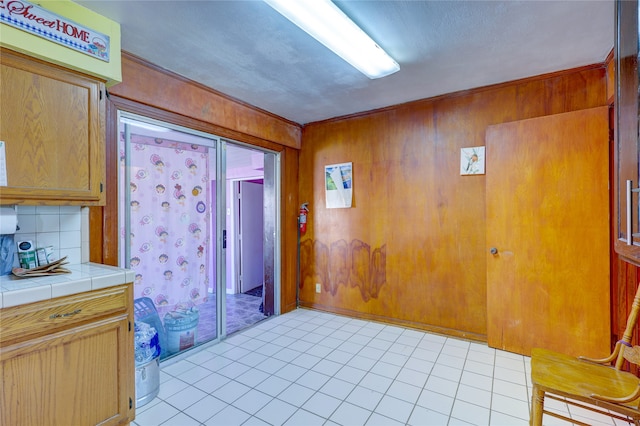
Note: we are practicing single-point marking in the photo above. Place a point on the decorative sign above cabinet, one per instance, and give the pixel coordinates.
(43, 23)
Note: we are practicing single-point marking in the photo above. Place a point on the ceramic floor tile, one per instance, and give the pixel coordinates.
(229, 416)
(194, 374)
(321, 404)
(479, 381)
(231, 391)
(451, 361)
(156, 415)
(455, 350)
(337, 388)
(303, 417)
(286, 355)
(252, 377)
(364, 397)
(252, 359)
(362, 363)
(371, 352)
(171, 387)
(446, 372)
(419, 365)
(376, 382)
(385, 369)
(350, 347)
(500, 419)
(412, 377)
(177, 368)
(211, 382)
(291, 372)
(339, 356)
(186, 397)
(326, 367)
(206, 408)
(216, 363)
(181, 419)
(510, 406)
(380, 343)
(509, 375)
(423, 416)
(350, 374)
(473, 395)
(348, 414)
(276, 412)
(394, 408)
(404, 391)
(252, 401)
(306, 360)
(313, 380)
(436, 402)
(509, 389)
(394, 358)
(425, 354)
(443, 386)
(379, 420)
(296, 394)
(470, 413)
(315, 368)
(233, 370)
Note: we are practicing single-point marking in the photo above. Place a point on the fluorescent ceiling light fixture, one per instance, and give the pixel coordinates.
(325, 22)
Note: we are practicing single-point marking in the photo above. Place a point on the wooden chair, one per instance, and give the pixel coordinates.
(593, 384)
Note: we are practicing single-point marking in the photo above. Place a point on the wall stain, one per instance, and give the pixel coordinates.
(344, 264)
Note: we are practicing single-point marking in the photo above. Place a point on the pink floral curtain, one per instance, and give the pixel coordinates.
(170, 219)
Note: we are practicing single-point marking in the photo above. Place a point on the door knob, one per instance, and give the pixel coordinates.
(494, 250)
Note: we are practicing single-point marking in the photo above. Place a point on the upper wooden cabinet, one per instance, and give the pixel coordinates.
(52, 122)
(626, 170)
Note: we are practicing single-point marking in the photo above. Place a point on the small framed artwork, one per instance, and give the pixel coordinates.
(472, 161)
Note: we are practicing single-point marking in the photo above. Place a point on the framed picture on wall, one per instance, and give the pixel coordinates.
(472, 161)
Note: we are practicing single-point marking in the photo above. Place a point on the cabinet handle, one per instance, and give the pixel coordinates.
(68, 314)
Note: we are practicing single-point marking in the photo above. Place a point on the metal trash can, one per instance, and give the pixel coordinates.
(147, 354)
(147, 381)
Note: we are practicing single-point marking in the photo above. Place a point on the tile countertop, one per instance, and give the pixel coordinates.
(83, 277)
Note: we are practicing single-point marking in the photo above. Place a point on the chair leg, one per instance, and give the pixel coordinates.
(537, 404)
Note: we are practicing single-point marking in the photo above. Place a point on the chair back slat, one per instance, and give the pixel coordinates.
(628, 331)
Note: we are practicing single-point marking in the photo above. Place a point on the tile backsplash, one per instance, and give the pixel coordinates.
(66, 228)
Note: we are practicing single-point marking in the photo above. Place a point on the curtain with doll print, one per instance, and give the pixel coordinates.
(169, 215)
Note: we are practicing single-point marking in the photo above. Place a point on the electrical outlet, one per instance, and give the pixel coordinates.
(318, 288)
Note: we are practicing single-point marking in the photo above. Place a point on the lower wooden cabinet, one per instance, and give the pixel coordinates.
(80, 371)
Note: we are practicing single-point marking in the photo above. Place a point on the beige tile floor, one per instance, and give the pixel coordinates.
(314, 368)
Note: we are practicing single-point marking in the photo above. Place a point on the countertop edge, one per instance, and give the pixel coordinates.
(15, 291)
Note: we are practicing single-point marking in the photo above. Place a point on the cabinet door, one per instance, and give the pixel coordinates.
(53, 129)
(74, 377)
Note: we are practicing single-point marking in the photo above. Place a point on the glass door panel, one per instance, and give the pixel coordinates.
(169, 228)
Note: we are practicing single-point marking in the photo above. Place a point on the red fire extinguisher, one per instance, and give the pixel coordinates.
(302, 218)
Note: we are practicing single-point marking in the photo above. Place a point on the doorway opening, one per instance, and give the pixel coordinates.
(176, 225)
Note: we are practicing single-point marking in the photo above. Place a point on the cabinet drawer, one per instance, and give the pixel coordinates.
(24, 322)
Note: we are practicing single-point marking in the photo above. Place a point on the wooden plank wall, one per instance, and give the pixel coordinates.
(156, 93)
(412, 250)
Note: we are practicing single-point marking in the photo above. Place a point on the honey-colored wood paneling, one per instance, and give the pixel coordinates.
(412, 249)
(164, 96)
(144, 83)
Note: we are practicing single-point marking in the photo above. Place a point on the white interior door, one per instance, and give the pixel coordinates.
(250, 236)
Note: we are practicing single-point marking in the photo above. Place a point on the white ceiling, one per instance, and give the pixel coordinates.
(248, 51)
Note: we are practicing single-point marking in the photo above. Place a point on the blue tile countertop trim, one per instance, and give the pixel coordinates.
(83, 277)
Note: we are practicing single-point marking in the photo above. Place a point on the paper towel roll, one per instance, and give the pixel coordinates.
(8, 220)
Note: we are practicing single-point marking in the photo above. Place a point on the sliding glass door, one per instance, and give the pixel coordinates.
(189, 205)
(168, 214)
